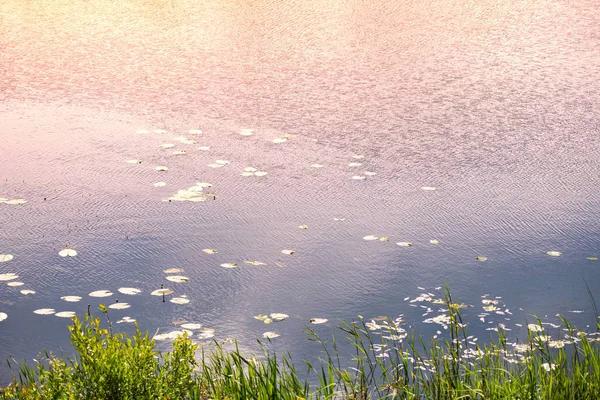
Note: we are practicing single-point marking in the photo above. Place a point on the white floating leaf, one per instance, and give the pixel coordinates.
(250, 169)
(130, 291)
(15, 202)
(369, 173)
(255, 262)
(3, 316)
(303, 226)
(222, 162)
(554, 253)
(210, 251)
(8, 277)
(163, 291)
(6, 257)
(172, 335)
(126, 320)
(101, 293)
(160, 184)
(288, 252)
(278, 317)
(72, 299)
(434, 241)
(177, 278)
(119, 306)
(535, 328)
(246, 132)
(179, 300)
(279, 140)
(204, 148)
(260, 173)
(246, 174)
(27, 291)
(316, 165)
(178, 153)
(195, 132)
(133, 161)
(206, 333)
(271, 335)
(204, 184)
(481, 258)
(191, 326)
(428, 188)
(65, 314)
(318, 320)
(166, 146)
(172, 270)
(229, 265)
(371, 237)
(14, 284)
(354, 164)
(142, 131)
(161, 168)
(404, 244)
(160, 131)
(358, 178)
(67, 253)
(592, 258)
(215, 165)
(45, 311)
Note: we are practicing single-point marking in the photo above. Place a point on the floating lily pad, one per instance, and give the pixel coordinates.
(430, 188)
(535, 328)
(592, 258)
(130, 291)
(434, 241)
(6, 257)
(370, 173)
(303, 226)
(260, 173)
(384, 239)
(178, 153)
(354, 164)
(288, 252)
(210, 251)
(254, 262)
(172, 270)
(160, 131)
(195, 132)
(278, 317)
(180, 300)
(481, 258)
(126, 320)
(15, 202)
(191, 326)
(246, 174)
(3, 316)
(167, 146)
(229, 265)
(260, 317)
(27, 291)
(142, 131)
(8, 277)
(271, 335)
(279, 140)
(204, 148)
(101, 293)
(404, 244)
(222, 162)
(358, 177)
(318, 320)
(65, 314)
(215, 165)
(45, 311)
(160, 184)
(554, 253)
(67, 253)
(206, 333)
(177, 278)
(161, 168)
(133, 161)
(358, 156)
(249, 169)
(162, 291)
(246, 132)
(317, 165)
(172, 335)
(15, 284)
(72, 299)
(119, 306)
(371, 237)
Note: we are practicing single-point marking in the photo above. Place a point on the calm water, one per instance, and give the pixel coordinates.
(493, 103)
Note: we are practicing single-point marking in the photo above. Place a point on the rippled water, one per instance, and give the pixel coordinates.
(493, 103)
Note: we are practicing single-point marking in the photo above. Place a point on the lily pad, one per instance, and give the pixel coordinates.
(167, 146)
(191, 326)
(160, 184)
(358, 177)
(317, 165)
(434, 241)
(246, 174)
(229, 265)
(27, 291)
(71, 299)
(8, 277)
(206, 333)
(162, 291)
(260, 173)
(249, 169)
(370, 173)
(180, 300)
(45, 311)
(303, 226)
(204, 148)
(215, 165)
(195, 132)
(101, 293)
(126, 320)
(222, 162)
(119, 306)
(254, 262)
(481, 258)
(404, 244)
(65, 314)
(178, 153)
(171, 335)
(354, 164)
(177, 278)
(15, 284)
(429, 188)
(278, 317)
(554, 253)
(271, 335)
(15, 202)
(318, 320)
(6, 257)
(67, 253)
(3, 316)
(172, 270)
(210, 251)
(246, 132)
(288, 252)
(130, 291)
(279, 140)
(161, 168)
(371, 237)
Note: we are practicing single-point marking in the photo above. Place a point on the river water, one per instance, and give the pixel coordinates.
(492, 103)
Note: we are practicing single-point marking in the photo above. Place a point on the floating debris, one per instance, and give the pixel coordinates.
(65, 314)
(3, 316)
(288, 252)
(318, 320)
(129, 291)
(45, 311)
(71, 299)
(6, 257)
(177, 278)
(180, 300)
(101, 293)
(271, 335)
(229, 265)
(554, 253)
(67, 253)
(8, 277)
(303, 226)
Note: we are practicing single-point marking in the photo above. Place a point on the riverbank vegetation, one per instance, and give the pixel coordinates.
(392, 364)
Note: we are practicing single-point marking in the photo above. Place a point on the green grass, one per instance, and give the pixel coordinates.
(390, 365)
